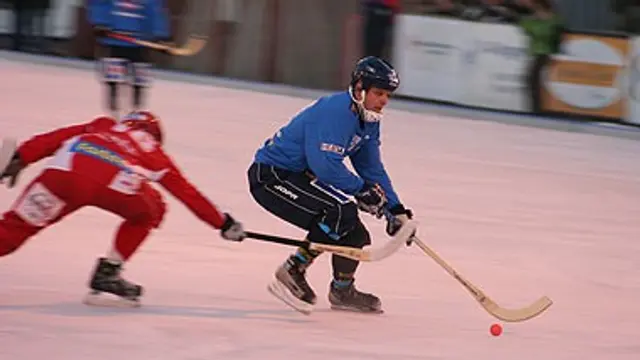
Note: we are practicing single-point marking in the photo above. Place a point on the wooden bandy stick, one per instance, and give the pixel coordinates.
(508, 315)
(192, 46)
(369, 253)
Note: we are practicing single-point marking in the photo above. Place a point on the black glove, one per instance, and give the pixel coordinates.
(101, 31)
(400, 217)
(371, 199)
(166, 41)
(12, 170)
(231, 229)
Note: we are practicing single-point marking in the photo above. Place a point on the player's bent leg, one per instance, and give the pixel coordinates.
(141, 80)
(114, 72)
(142, 212)
(343, 294)
(14, 232)
(44, 202)
(286, 195)
(324, 212)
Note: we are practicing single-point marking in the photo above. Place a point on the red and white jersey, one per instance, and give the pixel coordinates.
(117, 157)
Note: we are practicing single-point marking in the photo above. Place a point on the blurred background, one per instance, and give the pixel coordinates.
(569, 58)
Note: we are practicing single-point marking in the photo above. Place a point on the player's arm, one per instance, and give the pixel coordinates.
(44, 145)
(368, 164)
(160, 20)
(172, 179)
(99, 12)
(325, 148)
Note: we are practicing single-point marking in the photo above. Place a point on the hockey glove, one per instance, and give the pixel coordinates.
(231, 229)
(100, 31)
(400, 217)
(371, 199)
(12, 170)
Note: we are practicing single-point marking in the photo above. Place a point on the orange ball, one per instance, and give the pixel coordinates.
(496, 329)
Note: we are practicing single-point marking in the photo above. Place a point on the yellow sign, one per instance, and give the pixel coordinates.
(588, 77)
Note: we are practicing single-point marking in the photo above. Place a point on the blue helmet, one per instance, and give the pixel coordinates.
(375, 72)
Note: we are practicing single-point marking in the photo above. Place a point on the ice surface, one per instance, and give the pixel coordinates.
(521, 212)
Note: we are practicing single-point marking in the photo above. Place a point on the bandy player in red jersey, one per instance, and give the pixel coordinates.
(107, 164)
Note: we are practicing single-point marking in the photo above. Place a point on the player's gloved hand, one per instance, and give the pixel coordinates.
(167, 41)
(13, 169)
(371, 199)
(232, 230)
(401, 216)
(101, 30)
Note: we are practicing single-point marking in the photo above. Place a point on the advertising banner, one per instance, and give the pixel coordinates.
(589, 77)
(494, 67)
(427, 53)
(632, 83)
(461, 62)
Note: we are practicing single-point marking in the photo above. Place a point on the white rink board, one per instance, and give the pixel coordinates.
(522, 212)
(461, 62)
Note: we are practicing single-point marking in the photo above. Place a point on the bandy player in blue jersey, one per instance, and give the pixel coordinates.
(123, 61)
(299, 176)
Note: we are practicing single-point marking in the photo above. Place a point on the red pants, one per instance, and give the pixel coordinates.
(54, 194)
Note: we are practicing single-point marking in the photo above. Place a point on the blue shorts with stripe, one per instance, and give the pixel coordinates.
(302, 200)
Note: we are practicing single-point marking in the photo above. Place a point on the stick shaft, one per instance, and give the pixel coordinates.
(277, 239)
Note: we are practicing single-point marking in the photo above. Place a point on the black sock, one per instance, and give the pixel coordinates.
(112, 96)
(137, 96)
(344, 270)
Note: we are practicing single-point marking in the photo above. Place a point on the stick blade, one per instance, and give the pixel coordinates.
(398, 240)
(193, 46)
(7, 149)
(372, 253)
(517, 315)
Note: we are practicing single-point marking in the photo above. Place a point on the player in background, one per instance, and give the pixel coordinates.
(125, 62)
(111, 165)
(299, 176)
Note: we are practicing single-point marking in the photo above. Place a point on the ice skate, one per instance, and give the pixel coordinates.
(107, 283)
(348, 298)
(292, 288)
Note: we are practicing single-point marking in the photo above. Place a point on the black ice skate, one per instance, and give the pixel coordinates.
(291, 286)
(350, 299)
(106, 279)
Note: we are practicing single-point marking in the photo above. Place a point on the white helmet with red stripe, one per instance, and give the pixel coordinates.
(145, 121)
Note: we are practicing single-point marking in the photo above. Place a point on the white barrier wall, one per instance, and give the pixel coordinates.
(485, 65)
(632, 85)
(428, 57)
(60, 19)
(461, 62)
(494, 67)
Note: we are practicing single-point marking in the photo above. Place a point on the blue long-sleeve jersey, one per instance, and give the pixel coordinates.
(320, 137)
(144, 19)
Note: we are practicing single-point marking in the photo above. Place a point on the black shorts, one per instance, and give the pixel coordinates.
(302, 200)
(135, 54)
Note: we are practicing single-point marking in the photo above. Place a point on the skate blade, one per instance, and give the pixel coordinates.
(281, 292)
(100, 299)
(356, 310)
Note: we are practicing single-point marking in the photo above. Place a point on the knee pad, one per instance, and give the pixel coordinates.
(334, 226)
(155, 205)
(140, 74)
(13, 232)
(7, 245)
(159, 209)
(359, 237)
(114, 70)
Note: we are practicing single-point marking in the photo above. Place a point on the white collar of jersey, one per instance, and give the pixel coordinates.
(366, 115)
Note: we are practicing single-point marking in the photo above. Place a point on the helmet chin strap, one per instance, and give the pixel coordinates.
(366, 115)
